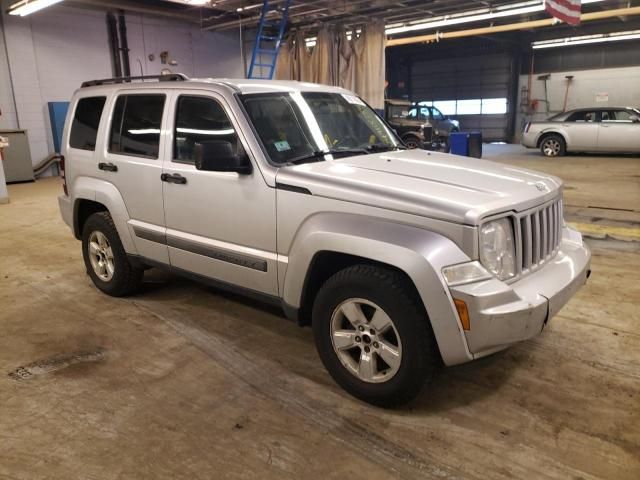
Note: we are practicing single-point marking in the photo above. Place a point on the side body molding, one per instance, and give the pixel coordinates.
(421, 254)
(107, 194)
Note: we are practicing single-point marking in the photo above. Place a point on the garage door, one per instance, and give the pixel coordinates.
(473, 90)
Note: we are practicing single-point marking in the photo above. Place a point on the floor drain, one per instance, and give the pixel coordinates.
(57, 362)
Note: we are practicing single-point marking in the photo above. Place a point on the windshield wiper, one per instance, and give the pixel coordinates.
(318, 155)
(381, 147)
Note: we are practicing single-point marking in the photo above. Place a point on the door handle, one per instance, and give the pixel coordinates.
(173, 178)
(108, 167)
(605, 126)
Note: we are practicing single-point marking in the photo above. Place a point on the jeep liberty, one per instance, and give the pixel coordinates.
(302, 196)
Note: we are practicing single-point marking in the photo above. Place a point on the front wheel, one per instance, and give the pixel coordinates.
(412, 143)
(373, 335)
(105, 258)
(444, 145)
(553, 146)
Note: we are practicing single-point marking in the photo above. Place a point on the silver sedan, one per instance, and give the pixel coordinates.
(607, 129)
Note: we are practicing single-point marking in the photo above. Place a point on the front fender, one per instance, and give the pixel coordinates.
(419, 253)
(107, 194)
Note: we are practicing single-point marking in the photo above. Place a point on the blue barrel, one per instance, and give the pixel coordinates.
(467, 144)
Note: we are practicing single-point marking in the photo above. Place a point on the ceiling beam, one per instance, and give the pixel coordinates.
(547, 22)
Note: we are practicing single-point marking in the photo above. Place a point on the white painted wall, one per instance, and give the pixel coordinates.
(53, 51)
(621, 86)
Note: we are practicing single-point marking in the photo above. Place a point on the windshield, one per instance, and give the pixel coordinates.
(398, 111)
(423, 114)
(307, 126)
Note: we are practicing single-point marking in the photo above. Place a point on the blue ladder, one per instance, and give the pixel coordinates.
(268, 41)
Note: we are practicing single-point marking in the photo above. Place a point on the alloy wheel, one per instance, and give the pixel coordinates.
(551, 147)
(366, 340)
(101, 256)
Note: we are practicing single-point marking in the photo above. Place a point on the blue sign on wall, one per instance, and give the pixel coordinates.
(57, 115)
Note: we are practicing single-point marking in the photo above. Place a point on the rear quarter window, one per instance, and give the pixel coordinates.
(86, 120)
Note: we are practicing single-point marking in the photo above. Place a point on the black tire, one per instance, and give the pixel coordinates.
(445, 145)
(553, 145)
(395, 294)
(413, 143)
(126, 278)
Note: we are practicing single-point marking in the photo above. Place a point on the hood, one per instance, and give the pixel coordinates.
(408, 122)
(435, 185)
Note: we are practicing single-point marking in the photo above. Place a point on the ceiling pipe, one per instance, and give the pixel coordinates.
(124, 44)
(112, 29)
(547, 22)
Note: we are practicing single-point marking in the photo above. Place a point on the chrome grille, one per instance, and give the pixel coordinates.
(538, 235)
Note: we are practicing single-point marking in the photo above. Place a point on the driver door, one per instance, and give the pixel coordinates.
(220, 225)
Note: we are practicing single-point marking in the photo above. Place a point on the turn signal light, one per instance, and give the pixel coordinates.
(463, 313)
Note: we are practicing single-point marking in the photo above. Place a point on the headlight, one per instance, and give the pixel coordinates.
(497, 248)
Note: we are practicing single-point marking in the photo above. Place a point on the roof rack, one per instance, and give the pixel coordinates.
(172, 77)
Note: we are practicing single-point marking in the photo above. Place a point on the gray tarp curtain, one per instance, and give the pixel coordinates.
(357, 64)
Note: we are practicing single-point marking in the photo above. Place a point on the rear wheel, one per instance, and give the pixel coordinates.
(373, 335)
(553, 146)
(105, 258)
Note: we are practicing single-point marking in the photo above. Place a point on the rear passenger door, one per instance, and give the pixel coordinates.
(133, 164)
(220, 225)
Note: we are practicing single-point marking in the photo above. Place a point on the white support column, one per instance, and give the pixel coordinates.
(31, 109)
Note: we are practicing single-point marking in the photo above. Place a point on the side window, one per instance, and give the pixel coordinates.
(86, 120)
(617, 116)
(437, 114)
(582, 117)
(135, 128)
(199, 119)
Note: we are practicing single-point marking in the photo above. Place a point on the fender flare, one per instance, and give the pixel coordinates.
(419, 253)
(550, 131)
(105, 193)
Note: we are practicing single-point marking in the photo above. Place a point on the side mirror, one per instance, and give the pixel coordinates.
(634, 118)
(219, 156)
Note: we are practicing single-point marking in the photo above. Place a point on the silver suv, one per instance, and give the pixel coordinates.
(300, 195)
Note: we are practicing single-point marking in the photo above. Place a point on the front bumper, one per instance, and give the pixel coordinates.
(502, 314)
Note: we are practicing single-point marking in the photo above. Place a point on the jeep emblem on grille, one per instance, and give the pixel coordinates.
(541, 186)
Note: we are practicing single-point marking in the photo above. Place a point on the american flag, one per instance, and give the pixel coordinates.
(566, 10)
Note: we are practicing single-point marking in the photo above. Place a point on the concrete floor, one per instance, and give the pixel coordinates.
(182, 381)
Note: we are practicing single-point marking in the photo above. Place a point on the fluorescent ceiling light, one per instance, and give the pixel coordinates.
(587, 39)
(25, 7)
(479, 15)
(249, 7)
